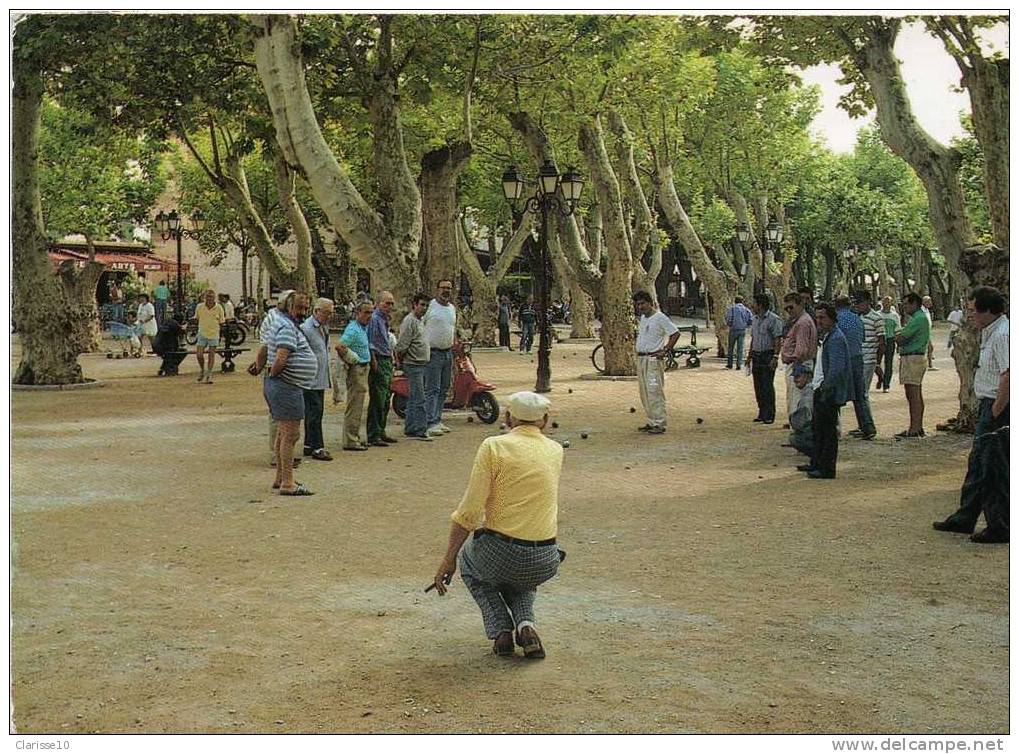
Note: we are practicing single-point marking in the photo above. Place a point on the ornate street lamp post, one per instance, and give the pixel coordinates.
(554, 193)
(170, 226)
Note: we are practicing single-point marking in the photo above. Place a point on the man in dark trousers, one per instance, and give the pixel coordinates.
(832, 386)
(504, 321)
(986, 486)
(765, 340)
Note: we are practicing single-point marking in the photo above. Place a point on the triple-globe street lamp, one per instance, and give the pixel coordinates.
(170, 226)
(773, 235)
(554, 193)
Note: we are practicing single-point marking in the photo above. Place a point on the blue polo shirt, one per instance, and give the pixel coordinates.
(355, 337)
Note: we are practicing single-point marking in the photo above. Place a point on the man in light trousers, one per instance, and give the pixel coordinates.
(440, 327)
(656, 336)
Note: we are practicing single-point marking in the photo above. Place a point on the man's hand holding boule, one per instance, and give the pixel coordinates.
(444, 576)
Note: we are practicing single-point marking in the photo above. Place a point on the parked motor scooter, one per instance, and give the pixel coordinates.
(467, 389)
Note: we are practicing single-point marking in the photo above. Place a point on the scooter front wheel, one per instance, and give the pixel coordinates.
(400, 405)
(486, 407)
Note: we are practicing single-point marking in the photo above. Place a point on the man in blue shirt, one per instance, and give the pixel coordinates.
(380, 374)
(354, 343)
(830, 395)
(738, 318)
(852, 327)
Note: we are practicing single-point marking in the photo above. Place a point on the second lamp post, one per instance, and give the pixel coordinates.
(170, 226)
(554, 193)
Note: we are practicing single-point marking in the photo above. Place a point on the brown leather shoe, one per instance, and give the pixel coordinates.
(528, 640)
(503, 645)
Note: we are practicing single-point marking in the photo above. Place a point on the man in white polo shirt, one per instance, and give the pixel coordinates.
(440, 329)
(986, 486)
(656, 335)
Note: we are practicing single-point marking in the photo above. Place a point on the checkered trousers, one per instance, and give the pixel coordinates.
(502, 578)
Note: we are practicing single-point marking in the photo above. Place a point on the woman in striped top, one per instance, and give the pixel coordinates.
(292, 369)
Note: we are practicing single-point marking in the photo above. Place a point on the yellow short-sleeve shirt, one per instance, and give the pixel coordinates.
(209, 320)
(514, 485)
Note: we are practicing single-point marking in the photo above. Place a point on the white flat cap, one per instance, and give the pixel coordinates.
(528, 406)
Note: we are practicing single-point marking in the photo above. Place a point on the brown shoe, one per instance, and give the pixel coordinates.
(528, 640)
(503, 645)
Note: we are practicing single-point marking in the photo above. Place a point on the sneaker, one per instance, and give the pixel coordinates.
(435, 431)
(444, 428)
(201, 377)
(208, 378)
(422, 438)
(656, 431)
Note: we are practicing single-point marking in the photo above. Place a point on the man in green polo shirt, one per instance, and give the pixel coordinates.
(912, 342)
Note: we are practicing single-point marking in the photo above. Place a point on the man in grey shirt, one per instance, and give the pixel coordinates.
(765, 340)
(413, 353)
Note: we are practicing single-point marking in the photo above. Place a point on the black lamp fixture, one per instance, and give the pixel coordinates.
(169, 226)
(554, 193)
(774, 233)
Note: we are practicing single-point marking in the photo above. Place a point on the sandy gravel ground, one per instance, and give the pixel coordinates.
(159, 586)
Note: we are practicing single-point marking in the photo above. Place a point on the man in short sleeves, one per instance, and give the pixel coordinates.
(656, 336)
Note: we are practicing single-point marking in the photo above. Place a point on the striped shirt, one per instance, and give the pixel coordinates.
(302, 365)
(873, 326)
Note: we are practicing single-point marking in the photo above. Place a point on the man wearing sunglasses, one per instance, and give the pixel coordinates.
(799, 346)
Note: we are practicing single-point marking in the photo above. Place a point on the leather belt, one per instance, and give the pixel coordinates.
(514, 540)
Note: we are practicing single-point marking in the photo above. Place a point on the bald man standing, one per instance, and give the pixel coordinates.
(381, 371)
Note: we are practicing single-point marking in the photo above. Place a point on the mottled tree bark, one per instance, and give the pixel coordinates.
(42, 309)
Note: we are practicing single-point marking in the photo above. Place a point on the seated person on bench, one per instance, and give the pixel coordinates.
(166, 343)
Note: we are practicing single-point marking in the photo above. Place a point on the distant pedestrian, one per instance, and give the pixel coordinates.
(956, 318)
(656, 336)
(316, 330)
(892, 325)
(116, 302)
(440, 328)
(210, 319)
(380, 373)
(353, 348)
(504, 321)
(146, 319)
(528, 316)
(927, 307)
(985, 489)
(765, 342)
(228, 306)
(161, 296)
(830, 394)
(414, 354)
(738, 319)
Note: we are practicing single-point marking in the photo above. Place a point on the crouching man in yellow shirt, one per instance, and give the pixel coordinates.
(511, 506)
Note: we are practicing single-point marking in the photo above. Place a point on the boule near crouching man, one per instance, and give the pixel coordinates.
(511, 507)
